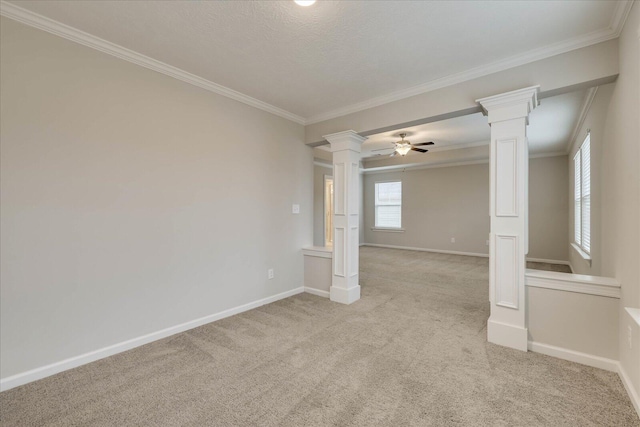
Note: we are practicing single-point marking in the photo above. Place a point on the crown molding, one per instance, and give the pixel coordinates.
(419, 166)
(584, 110)
(613, 31)
(35, 20)
(620, 15)
(547, 154)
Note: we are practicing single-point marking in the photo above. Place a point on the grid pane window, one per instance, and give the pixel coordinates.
(388, 204)
(582, 196)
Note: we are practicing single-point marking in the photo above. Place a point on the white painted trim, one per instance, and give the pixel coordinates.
(33, 19)
(593, 361)
(583, 284)
(317, 292)
(547, 154)
(634, 313)
(584, 110)
(344, 295)
(437, 251)
(318, 251)
(615, 28)
(459, 146)
(574, 356)
(634, 396)
(582, 253)
(507, 335)
(419, 166)
(388, 230)
(322, 163)
(73, 362)
(549, 261)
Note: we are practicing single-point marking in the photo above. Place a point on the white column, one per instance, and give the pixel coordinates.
(508, 115)
(345, 147)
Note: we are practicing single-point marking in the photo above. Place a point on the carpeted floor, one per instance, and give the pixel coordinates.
(560, 268)
(411, 352)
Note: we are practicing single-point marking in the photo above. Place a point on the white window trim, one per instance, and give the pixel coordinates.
(578, 247)
(388, 230)
(375, 205)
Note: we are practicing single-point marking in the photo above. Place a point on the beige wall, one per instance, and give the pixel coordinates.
(594, 121)
(620, 208)
(133, 202)
(444, 202)
(319, 173)
(577, 322)
(548, 207)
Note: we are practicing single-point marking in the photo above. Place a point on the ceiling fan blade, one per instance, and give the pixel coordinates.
(420, 150)
(393, 154)
(383, 149)
(423, 143)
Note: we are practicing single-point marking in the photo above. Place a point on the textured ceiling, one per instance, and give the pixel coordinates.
(313, 60)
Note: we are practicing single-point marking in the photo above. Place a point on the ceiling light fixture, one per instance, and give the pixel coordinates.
(403, 149)
(305, 3)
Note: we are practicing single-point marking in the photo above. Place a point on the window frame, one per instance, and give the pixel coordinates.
(376, 203)
(582, 199)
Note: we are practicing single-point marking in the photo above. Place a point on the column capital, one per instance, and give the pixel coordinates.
(346, 140)
(510, 105)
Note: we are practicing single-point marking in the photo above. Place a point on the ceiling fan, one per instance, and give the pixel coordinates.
(403, 146)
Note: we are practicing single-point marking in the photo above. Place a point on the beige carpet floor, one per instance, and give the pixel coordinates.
(560, 268)
(411, 352)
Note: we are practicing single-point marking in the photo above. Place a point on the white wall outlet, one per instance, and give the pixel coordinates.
(629, 336)
(295, 209)
(487, 243)
(270, 274)
(453, 240)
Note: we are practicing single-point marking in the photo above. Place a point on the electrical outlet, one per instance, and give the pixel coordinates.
(453, 240)
(629, 336)
(295, 209)
(270, 274)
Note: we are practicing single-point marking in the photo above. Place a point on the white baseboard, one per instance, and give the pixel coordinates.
(550, 261)
(317, 292)
(590, 360)
(631, 391)
(507, 335)
(344, 295)
(574, 356)
(437, 251)
(73, 362)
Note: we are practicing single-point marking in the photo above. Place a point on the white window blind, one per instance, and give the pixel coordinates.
(388, 204)
(582, 196)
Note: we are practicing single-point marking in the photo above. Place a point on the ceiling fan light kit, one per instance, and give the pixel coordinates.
(403, 146)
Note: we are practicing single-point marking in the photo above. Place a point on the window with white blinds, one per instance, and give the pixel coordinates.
(388, 204)
(582, 196)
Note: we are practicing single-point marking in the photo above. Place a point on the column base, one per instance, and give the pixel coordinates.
(344, 296)
(507, 335)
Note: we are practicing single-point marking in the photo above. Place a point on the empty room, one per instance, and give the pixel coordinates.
(310, 213)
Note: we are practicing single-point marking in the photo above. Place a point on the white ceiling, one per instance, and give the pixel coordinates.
(321, 59)
(550, 127)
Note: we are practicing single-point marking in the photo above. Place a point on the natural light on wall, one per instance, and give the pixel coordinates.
(388, 204)
(582, 196)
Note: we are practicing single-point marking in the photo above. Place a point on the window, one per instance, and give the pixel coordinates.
(582, 196)
(388, 204)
